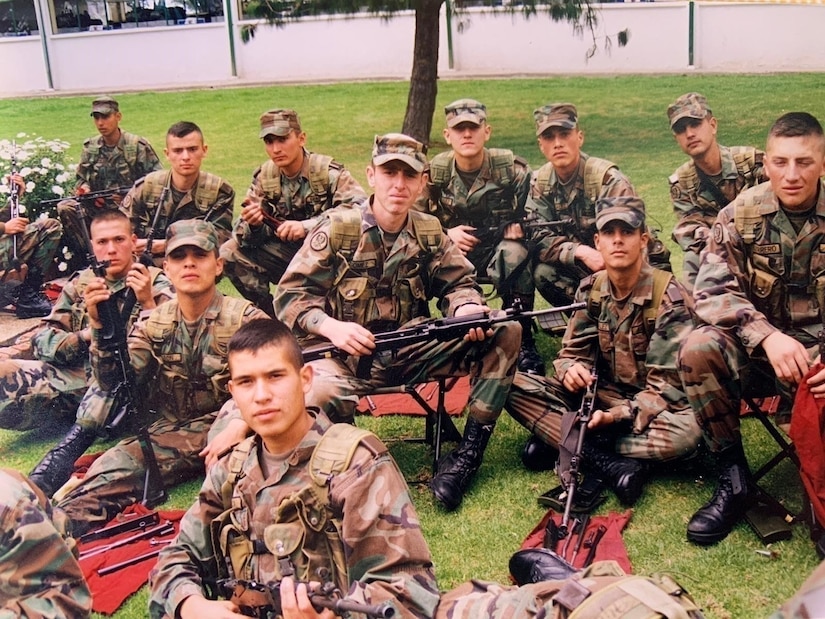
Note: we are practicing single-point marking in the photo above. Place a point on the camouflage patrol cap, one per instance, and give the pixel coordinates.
(562, 115)
(465, 111)
(195, 232)
(279, 122)
(104, 104)
(689, 105)
(629, 209)
(398, 146)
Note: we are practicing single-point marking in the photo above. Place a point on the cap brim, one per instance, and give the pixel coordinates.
(204, 245)
(465, 118)
(563, 124)
(411, 161)
(693, 115)
(105, 110)
(632, 220)
(280, 131)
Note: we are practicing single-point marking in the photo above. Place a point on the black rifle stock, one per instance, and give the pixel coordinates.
(126, 396)
(91, 195)
(262, 600)
(442, 329)
(583, 417)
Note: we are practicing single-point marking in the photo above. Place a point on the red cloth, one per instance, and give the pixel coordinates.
(611, 547)
(110, 591)
(404, 404)
(808, 436)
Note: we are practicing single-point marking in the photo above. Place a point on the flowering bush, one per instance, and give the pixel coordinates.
(45, 168)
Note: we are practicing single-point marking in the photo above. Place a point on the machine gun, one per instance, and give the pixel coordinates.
(583, 416)
(15, 273)
(90, 196)
(262, 600)
(442, 329)
(126, 396)
(530, 226)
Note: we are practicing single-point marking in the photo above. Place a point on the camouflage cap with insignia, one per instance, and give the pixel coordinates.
(562, 115)
(397, 146)
(279, 122)
(627, 209)
(195, 232)
(689, 105)
(104, 104)
(465, 111)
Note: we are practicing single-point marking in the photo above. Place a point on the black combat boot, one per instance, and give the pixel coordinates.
(529, 359)
(538, 455)
(456, 469)
(537, 565)
(56, 467)
(627, 476)
(734, 494)
(31, 302)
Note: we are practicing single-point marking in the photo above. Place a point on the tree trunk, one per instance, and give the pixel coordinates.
(418, 120)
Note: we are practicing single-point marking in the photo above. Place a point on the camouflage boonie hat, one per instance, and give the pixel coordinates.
(690, 105)
(465, 111)
(629, 209)
(562, 115)
(279, 122)
(195, 232)
(398, 146)
(104, 104)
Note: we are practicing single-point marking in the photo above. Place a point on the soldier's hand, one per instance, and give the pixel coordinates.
(513, 232)
(96, 292)
(234, 432)
(463, 237)
(82, 190)
(601, 418)
(140, 280)
(197, 607)
(18, 182)
(16, 225)
(788, 357)
(295, 602)
(476, 334)
(291, 230)
(577, 377)
(350, 337)
(252, 213)
(591, 258)
(816, 384)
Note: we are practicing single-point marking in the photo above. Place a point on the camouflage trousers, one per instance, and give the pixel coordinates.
(252, 269)
(37, 245)
(35, 392)
(558, 283)
(115, 480)
(93, 410)
(538, 403)
(490, 364)
(716, 369)
(507, 266)
(690, 268)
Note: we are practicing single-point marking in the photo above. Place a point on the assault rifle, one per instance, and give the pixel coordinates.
(529, 225)
(442, 329)
(126, 396)
(262, 600)
(90, 195)
(583, 416)
(15, 273)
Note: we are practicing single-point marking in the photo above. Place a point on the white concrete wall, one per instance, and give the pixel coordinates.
(729, 37)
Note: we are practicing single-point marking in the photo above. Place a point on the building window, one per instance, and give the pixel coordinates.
(90, 15)
(17, 18)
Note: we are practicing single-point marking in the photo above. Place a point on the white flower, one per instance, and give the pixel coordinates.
(46, 162)
(22, 134)
(24, 172)
(62, 266)
(67, 253)
(22, 209)
(30, 186)
(61, 178)
(57, 190)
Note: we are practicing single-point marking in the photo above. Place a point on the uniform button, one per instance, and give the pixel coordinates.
(313, 521)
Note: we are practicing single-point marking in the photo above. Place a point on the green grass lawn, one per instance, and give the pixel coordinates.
(624, 120)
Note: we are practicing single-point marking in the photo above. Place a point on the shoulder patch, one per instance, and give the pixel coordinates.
(718, 232)
(319, 241)
(675, 191)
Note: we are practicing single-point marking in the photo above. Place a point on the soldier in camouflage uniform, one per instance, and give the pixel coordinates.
(39, 574)
(286, 200)
(35, 245)
(630, 332)
(184, 192)
(478, 194)
(760, 295)
(113, 159)
(374, 268)
(565, 190)
(266, 477)
(179, 353)
(58, 380)
(714, 176)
